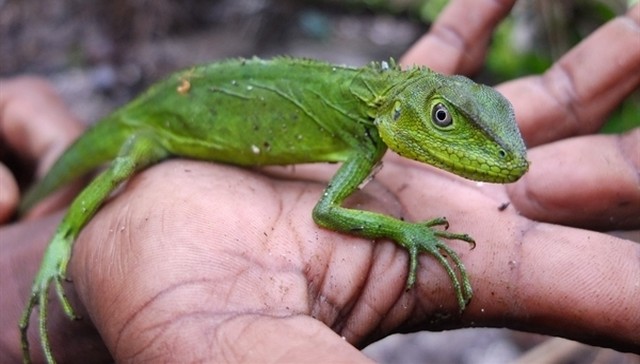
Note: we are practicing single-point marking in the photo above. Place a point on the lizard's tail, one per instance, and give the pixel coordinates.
(99, 144)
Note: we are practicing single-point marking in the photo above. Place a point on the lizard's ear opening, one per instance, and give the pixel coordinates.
(399, 128)
(387, 122)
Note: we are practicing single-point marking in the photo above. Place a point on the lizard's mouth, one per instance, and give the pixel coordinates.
(505, 171)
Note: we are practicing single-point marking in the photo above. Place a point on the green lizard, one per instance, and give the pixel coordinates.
(286, 111)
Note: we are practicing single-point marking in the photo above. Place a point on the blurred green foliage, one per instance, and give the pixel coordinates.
(625, 117)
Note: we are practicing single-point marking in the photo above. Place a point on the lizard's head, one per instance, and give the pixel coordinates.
(454, 124)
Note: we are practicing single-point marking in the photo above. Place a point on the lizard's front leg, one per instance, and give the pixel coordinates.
(414, 237)
(138, 152)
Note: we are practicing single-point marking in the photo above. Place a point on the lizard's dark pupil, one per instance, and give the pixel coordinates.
(441, 116)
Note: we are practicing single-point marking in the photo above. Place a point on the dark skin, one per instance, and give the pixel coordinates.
(196, 261)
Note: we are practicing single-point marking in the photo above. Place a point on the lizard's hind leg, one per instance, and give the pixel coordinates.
(138, 152)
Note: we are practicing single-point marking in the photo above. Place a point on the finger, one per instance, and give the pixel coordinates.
(560, 281)
(285, 340)
(34, 121)
(591, 182)
(457, 41)
(575, 95)
(9, 193)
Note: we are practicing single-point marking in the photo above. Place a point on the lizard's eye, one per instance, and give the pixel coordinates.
(441, 116)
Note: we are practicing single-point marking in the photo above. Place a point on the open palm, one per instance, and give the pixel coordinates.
(198, 261)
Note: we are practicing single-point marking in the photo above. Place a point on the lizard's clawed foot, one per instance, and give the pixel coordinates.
(420, 237)
(52, 270)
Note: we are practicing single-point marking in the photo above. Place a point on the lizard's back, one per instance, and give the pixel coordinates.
(255, 112)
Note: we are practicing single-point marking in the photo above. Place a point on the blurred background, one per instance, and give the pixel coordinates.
(99, 54)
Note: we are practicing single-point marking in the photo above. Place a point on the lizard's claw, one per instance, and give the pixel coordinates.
(420, 237)
(52, 270)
